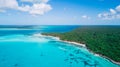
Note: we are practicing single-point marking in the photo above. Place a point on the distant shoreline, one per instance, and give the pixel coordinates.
(83, 45)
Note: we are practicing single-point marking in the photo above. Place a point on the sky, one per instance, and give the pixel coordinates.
(59, 12)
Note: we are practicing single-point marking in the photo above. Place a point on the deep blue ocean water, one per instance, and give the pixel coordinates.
(19, 47)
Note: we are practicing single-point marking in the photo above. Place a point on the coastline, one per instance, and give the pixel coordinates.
(118, 63)
(83, 45)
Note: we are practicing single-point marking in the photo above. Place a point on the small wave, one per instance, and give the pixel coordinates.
(37, 35)
(62, 48)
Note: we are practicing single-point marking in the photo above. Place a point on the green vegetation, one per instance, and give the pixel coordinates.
(104, 40)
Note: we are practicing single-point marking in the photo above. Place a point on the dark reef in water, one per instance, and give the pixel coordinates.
(16, 65)
(75, 58)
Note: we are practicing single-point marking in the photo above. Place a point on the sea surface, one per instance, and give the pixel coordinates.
(21, 46)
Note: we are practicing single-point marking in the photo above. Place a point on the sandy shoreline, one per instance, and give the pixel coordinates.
(78, 44)
(83, 45)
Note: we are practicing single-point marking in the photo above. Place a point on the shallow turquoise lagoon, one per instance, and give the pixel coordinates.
(20, 50)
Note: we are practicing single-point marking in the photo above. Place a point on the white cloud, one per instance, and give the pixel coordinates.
(85, 17)
(4, 4)
(112, 11)
(25, 8)
(37, 8)
(112, 14)
(118, 8)
(106, 16)
(33, 1)
(27, 0)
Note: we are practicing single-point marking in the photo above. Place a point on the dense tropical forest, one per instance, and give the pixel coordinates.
(104, 40)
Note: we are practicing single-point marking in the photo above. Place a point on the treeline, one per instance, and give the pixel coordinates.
(103, 40)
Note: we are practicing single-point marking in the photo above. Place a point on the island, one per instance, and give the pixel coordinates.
(102, 40)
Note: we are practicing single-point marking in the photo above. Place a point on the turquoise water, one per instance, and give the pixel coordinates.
(27, 50)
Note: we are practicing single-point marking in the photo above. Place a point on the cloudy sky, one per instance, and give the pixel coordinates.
(59, 12)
